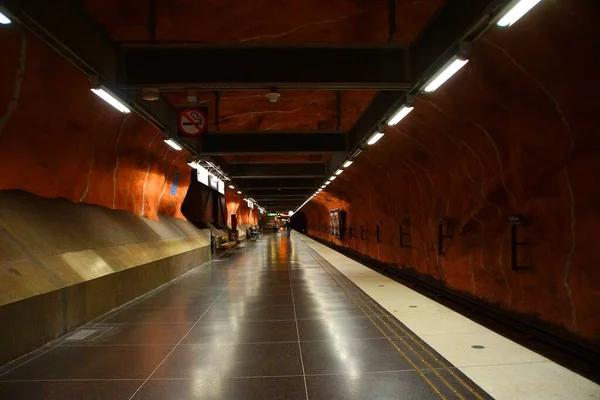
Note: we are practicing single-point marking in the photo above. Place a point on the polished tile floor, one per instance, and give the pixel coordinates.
(501, 367)
(270, 320)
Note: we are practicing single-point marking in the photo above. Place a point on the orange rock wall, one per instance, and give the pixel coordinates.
(236, 205)
(58, 139)
(514, 132)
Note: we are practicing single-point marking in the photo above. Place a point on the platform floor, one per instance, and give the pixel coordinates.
(281, 318)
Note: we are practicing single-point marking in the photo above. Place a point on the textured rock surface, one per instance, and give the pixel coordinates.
(514, 132)
(236, 205)
(296, 110)
(57, 139)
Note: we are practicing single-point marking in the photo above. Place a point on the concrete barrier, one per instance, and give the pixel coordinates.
(64, 264)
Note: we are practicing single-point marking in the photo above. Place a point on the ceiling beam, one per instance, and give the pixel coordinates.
(272, 203)
(277, 201)
(211, 67)
(293, 183)
(249, 159)
(246, 171)
(279, 196)
(280, 192)
(269, 143)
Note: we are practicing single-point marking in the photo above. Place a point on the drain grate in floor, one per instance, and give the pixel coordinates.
(82, 334)
(87, 335)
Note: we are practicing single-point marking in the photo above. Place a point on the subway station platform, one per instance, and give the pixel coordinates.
(286, 318)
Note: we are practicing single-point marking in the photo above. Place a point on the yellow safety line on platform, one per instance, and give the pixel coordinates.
(407, 333)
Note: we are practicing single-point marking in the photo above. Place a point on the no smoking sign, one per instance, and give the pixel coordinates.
(192, 122)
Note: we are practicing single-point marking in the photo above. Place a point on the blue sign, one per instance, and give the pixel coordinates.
(175, 183)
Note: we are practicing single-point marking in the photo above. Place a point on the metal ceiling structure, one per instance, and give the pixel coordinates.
(184, 66)
(271, 143)
(126, 69)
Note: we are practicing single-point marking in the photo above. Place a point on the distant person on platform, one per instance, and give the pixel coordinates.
(288, 226)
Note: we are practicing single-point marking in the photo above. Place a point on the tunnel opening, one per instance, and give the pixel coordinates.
(299, 222)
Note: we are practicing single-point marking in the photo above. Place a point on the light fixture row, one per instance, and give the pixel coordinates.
(510, 14)
(507, 17)
(216, 171)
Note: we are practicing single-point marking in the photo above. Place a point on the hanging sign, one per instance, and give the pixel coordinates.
(192, 122)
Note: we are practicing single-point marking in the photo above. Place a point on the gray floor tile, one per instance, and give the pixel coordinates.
(219, 388)
(136, 334)
(334, 329)
(243, 332)
(379, 386)
(347, 356)
(242, 312)
(158, 315)
(242, 360)
(98, 362)
(60, 390)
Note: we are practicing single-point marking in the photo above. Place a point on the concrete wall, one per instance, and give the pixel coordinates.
(514, 132)
(63, 264)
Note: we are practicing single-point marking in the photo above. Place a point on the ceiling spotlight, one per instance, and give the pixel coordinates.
(348, 163)
(356, 153)
(516, 11)
(173, 144)
(375, 138)
(192, 97)
(4, 20)
(400, 114)
(273, 96)
(150, 94)
(111, 99)
(445, 73)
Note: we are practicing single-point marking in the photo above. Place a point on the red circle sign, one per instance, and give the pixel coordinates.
(192, 122)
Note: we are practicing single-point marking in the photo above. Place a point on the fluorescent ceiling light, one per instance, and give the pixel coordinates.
(239, 192)
(449, 69)
(517, 11)
(332, 178)
(348, 163)
(111, 99)
(173, 144)
(400, 114)
(327, 183)
(4, 20)
(323, 187)
(231, 187)
(319, 190)
(339, 171)
(375, 138)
